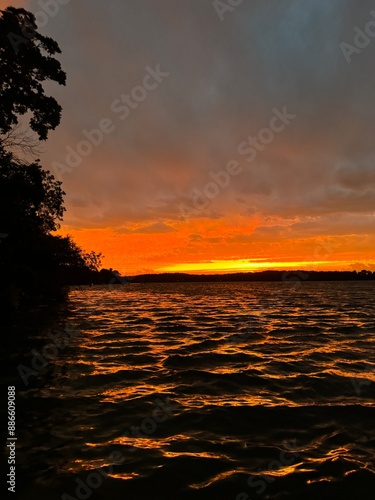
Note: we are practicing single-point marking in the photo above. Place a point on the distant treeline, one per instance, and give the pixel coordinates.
(286, 276)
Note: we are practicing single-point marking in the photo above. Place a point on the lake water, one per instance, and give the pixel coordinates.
(225, 391)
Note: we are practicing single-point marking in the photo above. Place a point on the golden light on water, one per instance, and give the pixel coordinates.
(245, 353)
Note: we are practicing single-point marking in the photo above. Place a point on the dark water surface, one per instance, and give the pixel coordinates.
(230, 391)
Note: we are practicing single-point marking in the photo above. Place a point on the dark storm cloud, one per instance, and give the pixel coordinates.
(225, 78)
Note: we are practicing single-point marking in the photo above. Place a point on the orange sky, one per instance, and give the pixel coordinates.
(215, 247)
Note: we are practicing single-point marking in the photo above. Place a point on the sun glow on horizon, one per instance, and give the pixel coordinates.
(190, 248)
(251, 265)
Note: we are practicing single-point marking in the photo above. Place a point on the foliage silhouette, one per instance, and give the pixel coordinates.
(34, 264)
(26, 61)
(31, 199)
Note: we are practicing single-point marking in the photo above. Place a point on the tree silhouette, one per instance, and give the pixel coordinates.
(25, 63)
(31, 199)
(33, 262)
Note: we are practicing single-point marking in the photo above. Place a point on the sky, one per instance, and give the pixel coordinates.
(215, 136)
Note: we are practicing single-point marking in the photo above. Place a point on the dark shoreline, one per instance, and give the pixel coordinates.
(13, 297)
(266, 276)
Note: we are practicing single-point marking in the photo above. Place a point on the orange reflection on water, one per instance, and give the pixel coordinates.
(218, 477)
(126, 476)
(201, 454)
(77, 466)
(144, 442)
(134, 391)
(364, 375)
(324, 479)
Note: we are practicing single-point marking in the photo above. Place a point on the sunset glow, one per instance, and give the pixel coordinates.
(175, 157)
(222, 266)
(191, 248)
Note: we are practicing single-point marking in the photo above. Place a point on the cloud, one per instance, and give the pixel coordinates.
(316, 177)
(157, 227)
(360, 178)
